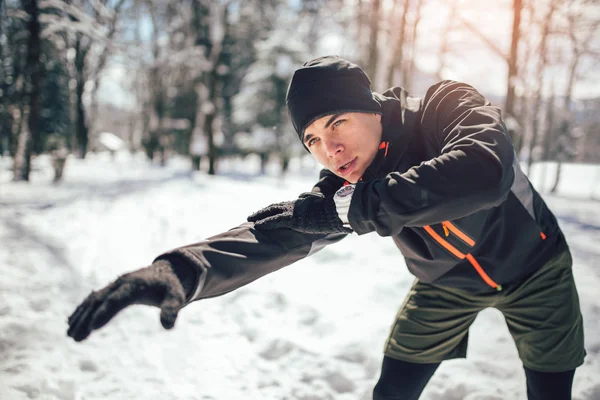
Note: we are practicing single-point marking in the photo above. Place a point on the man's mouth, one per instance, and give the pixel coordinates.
(347, 168)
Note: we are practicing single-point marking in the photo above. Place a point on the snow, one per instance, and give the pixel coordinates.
(111, 141)
(286, 336)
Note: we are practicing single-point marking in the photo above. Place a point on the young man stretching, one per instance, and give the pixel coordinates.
(439, 176)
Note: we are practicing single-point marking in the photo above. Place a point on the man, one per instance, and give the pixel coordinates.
(439, 176)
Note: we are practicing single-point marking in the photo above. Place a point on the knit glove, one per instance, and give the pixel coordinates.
(311, 213)
(160, 285)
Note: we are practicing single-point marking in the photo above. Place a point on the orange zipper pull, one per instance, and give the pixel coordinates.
(446, 231)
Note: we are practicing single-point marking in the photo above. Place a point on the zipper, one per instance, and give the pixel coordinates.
(450, 227)
(386, 146)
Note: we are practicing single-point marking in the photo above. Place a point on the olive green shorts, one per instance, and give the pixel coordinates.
(542, 313)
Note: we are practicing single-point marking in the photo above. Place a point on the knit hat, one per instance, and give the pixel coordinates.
(325, 86)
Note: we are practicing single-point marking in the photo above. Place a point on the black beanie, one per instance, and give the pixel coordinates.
(325, 86)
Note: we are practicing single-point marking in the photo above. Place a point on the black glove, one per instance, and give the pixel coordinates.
(311, 213)
(160, 285)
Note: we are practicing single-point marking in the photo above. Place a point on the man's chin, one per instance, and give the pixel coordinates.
(353, 177)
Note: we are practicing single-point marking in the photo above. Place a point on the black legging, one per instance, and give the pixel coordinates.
(401, 380)
(549, 385)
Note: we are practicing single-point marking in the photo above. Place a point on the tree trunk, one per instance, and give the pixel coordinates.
(408, 75)
(102, 63)
(81, 127)
(209, 118)
(397, 55)
(204, 20)
(212, 149)
(16, 122)
(550, 136)
(360, 24)
(445, 47)
(509, 103)
(373, 38)
(534, 132)
(80, 123)
(33, 80)
(131, 133)
(23, 147)
(543, 50)
(556, 178)
(565, 126)
(157, 102)
(549, 140)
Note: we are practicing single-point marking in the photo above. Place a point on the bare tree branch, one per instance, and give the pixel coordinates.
(484, 38)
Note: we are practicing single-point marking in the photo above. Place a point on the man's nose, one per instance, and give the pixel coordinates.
(333, 147)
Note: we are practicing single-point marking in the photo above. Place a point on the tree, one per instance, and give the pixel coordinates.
(32, 82)
(511, 60)
(22, 82)
(261, 105)
(218, 34)
(513, 63)
(157, 75)
(399, 43)
(373, 56)
(55, 118)
(109, 18)
(407, 76)
(211, 25)
(580, 45)
(12, 61)
(540, 70)
(89, 29)
(445, 45)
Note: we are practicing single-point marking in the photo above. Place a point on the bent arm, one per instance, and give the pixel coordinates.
(472, 172)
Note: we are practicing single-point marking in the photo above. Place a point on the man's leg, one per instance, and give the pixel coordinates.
(549, 385)
(402, 380)
(431, 326)
(433, 323)
(544, 319)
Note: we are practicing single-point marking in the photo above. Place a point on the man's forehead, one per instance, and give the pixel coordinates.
(323, 121)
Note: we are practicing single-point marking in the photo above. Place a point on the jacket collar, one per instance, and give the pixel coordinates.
(399, 121)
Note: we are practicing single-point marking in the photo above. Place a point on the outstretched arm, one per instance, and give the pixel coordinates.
(241, 255)
(210, 268)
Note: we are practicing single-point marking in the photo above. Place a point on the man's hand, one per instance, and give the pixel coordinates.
(311, 213)
(156, 285)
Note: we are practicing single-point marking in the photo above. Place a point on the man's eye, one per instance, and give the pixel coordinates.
(338, 123)
(312, 141)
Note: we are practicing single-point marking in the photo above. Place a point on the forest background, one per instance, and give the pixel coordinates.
(207, 79)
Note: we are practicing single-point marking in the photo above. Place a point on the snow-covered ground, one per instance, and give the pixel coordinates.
(286, 336)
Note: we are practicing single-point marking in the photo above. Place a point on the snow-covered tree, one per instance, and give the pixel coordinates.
(87, 30)
(260, 107)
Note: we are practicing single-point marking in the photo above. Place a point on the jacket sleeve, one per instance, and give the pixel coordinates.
(232, 259)
(473, 170)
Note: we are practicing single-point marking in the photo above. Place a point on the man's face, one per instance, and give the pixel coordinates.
(346, 144)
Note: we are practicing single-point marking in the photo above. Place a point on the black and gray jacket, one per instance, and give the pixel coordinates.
(445, 185)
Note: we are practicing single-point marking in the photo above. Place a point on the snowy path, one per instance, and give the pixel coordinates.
(285, 336)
